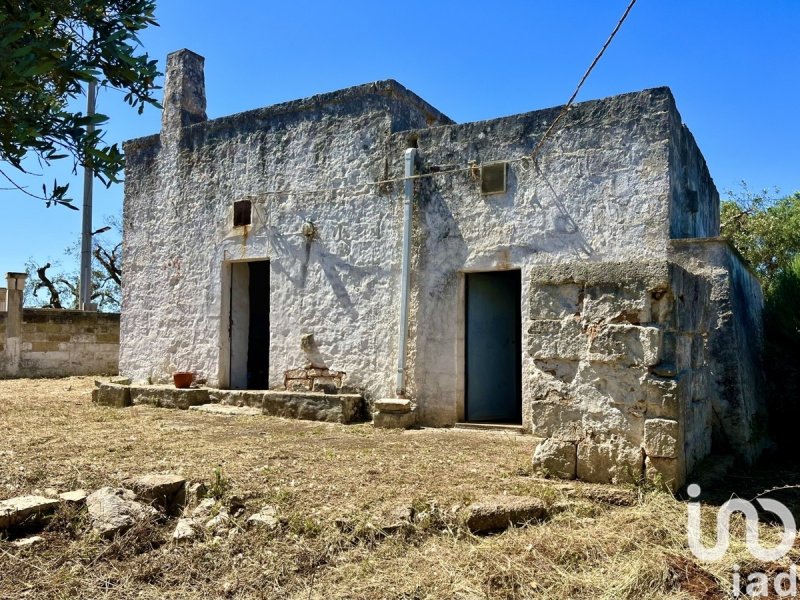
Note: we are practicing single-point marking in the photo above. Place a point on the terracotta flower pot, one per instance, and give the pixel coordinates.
(182, 379)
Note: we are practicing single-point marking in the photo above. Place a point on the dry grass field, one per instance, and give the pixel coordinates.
(333, 486)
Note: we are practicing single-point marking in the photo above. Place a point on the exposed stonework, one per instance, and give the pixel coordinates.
(59, 343)
(627, 341)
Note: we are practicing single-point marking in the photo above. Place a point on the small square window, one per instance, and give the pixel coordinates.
(493, 178)
(241, 213)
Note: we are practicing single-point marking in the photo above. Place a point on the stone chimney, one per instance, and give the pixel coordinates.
(184, 91)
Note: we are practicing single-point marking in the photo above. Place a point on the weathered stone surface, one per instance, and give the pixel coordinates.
(115, 510)
(164, 490)
(16, 511)
(168, 397)
(74, 497)
(626, 344)
(219, 523)
(334, 408)
(204, 509)
(383, 420)
(392, 405)
(500, 512)
(662, 438)
(186, 529)
(110, 394)
(557, 458)
(266, 517)
(562, 339)
(227, 410)
(613, 460)
(668, 472)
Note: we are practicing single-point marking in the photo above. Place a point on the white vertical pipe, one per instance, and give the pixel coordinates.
(405, 277)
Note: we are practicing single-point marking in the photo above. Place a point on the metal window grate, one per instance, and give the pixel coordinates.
(241, 213)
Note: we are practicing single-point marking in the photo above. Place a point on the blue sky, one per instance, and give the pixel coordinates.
(732, 65)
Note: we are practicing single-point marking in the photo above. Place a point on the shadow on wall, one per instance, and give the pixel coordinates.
(338, 272)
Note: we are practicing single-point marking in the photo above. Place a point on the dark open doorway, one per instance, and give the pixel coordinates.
(249, 325)
(493, 341)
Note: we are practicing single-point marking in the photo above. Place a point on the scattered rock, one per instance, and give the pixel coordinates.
(266, 517)
(204, 509)
(74, 497)
(500, 512)
(28, 541)
(219, 523)
(15, 511)
(186, 529)
(166, 491)
(114, 510)
(195, 492)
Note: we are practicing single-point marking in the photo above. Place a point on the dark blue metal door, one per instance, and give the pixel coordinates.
(493, 347)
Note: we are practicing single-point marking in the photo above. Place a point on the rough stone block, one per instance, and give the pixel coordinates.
(626, 344)
(109, 394)
(610, 460)
(551, 301)
(311, 406)
(114, 510)
(556, 340)
(616, 303)
(497, 513)
(663, 396)
(665, 471)
(557, 458)
(168, 397)
(298, 385)
(75, 497)
(327, 385)
(16, 511)
(662, 438)
(166, 491)
(383, 420)
(392, 405)
(560, 420)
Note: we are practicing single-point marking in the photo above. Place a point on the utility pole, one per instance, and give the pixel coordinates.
(85, 296)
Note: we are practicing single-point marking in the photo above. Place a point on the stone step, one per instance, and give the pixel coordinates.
(500, 427)
(309, 406)
(227, 410)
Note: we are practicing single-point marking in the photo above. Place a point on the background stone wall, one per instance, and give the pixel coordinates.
(59, 343)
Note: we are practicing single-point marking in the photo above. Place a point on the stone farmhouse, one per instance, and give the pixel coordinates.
(361, 241)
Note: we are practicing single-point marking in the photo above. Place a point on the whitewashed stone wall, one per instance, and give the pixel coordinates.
(619, 180)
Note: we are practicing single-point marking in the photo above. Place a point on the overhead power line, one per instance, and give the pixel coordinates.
(532, 157)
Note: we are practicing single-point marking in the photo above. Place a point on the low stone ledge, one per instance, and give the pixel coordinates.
(112, 394)
(168, 397)
(392, 405)
(388, 420)
(253, 399)
(16, 511)
(313, 406)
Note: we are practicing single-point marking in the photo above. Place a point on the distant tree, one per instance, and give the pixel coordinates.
(50, 50)
(60, 288)
(764, 229)
(781, 349)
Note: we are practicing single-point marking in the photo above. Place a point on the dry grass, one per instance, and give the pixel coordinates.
(332, 483)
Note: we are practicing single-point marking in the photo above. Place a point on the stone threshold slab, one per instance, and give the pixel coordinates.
(500, 427)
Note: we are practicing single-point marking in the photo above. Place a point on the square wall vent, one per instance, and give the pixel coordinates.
(241, 213)
(493, 178)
